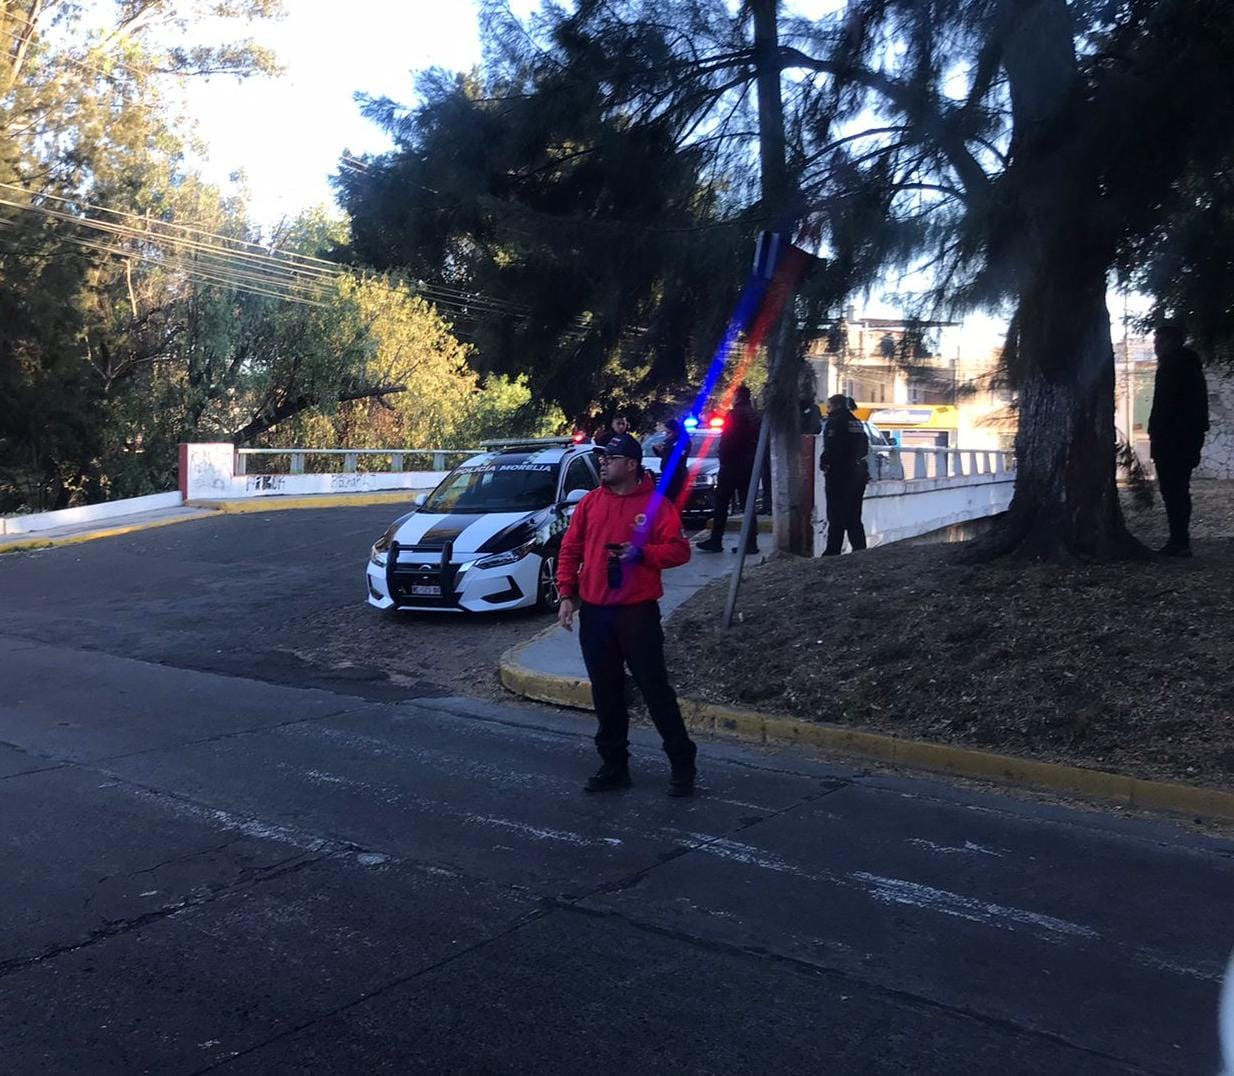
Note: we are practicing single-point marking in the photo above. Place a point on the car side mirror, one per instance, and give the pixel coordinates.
(418, 501)
(573, 497)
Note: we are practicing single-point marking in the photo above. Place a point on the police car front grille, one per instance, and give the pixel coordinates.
(422, 573)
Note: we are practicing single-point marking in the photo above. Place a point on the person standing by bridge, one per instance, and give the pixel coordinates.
(846, 470)
(1176, 428)
(621, 537)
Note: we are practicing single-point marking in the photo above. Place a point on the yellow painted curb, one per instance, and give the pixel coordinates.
(32, 542)
(542, 687)
(753, 727)
(277, 503)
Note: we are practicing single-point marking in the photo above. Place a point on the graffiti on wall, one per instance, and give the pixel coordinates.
(265, 483)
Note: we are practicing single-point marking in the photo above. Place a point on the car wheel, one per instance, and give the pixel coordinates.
(548, 597)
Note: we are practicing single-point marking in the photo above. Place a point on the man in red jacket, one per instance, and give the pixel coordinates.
(621, 537)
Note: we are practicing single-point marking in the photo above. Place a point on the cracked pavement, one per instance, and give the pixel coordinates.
(206, 870)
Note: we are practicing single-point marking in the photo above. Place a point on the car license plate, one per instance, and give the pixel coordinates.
(426, 592)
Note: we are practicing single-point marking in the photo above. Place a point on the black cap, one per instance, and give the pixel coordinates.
(623, 445)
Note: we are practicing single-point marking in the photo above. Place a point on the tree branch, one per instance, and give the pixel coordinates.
(271, 417)
(907, 100)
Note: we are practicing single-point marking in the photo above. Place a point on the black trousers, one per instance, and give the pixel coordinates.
(1174, 481)
(844, 497)
(616, 636)
(731, 480)
(676, 482)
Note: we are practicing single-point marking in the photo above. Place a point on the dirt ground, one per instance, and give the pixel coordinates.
(426, 651)
(1121, 667)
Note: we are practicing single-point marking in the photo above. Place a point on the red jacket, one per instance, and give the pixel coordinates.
(642, 517)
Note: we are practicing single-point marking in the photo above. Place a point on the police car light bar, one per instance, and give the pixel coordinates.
(526, 442)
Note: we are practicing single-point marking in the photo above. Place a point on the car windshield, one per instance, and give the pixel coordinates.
(496, 487)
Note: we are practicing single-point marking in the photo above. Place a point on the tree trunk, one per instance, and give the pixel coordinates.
(791, 526)
(1066, 502)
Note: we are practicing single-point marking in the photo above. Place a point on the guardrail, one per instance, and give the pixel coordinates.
(921, 463)
(397, 457)
(918, 491)
(220, 471)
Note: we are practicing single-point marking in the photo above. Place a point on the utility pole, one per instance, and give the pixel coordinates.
(780, 407)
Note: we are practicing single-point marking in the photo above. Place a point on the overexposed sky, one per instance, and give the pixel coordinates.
(286, 133)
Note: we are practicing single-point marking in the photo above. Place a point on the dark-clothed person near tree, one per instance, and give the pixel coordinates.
(844, 464)
(1176, 428)
(674, 450)
(621, 537)
(738, 444)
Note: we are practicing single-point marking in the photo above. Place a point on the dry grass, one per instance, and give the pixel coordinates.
(1122, 667)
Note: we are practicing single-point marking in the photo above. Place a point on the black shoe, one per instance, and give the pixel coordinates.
(608, 778)
(681, 783)
(710, 546)
(1174, 549)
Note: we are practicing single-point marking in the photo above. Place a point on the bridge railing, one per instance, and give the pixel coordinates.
(921, 491)
(220, 471)
(921, 463)
(347, 460)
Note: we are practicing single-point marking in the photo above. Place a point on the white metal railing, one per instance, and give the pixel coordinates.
(919, 463)
(351, 457)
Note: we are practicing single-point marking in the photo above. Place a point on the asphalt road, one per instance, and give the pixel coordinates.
(214, 859)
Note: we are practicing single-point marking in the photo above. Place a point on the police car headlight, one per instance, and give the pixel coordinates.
(705, 480)
(511, 556)
(377, 555)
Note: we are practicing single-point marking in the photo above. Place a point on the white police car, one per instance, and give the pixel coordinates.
(486, 539)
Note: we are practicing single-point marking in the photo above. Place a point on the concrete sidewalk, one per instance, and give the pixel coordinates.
(554, 654)
(549, 668)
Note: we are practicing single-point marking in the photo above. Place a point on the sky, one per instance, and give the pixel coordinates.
(286, 133)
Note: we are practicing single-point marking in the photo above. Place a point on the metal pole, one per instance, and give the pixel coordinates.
(751, 502)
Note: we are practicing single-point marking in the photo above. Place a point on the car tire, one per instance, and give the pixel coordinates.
(548, 597)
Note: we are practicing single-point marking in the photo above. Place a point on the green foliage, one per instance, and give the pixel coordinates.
(610, 244)
(138, 306)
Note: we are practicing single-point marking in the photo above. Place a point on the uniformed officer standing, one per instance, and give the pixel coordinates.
(1176, 428)
(845, 448)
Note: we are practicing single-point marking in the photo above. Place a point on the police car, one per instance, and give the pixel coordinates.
(703, 466)
(486, 539)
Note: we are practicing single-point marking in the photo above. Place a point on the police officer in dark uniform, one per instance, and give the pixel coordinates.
(1176, 429)
(845, 448)
(738, 445)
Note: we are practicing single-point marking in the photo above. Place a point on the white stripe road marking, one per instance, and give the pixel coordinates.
(944, 902)
(394, 796)
(543, 834)
(250, 827)
(967, 848)
(897, 890)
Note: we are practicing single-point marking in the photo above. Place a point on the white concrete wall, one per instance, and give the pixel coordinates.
(1217, 459)
(90, 513)
(896, 510)
(207, 473)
